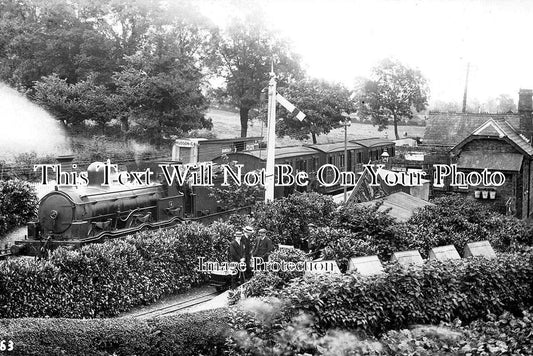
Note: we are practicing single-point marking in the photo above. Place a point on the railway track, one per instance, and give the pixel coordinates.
(176, 308)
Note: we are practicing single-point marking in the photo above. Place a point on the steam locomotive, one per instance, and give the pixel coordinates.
(73, 216)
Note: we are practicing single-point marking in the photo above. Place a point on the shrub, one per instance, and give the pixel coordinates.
(202, 333)
(221, 235)
(109, 278)
(371, 227)
(289, 218)
(18, 204)
(506, 334)
(456, 220)
(236, 196)
(264, 282)
(341, 245)
(435, 292)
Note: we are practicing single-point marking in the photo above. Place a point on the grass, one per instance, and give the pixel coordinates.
(227, 125)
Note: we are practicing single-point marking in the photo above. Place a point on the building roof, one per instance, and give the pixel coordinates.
(373, 142)
(283, 152)
(335, 147)
(499, 128)
(450, 129)
(402, 205)
(227, 140)
(491, 161)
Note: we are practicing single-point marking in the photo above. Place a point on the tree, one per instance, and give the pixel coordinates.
(393, 93)
(323, 104)
(505, 104)
(161, 88)
(243, 58)
(74, 104)
(39, 38)
(446, 106)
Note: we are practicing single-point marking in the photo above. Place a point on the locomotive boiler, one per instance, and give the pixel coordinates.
(77, 215)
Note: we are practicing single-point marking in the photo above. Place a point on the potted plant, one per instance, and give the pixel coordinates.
(485, 194)
(492, 194)
(477, 194)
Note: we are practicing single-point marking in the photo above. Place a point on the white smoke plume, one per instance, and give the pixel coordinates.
(26, 127)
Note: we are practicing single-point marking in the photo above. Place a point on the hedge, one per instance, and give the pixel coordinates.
(503, 335)
(206, 333)
(18, 204)
(465, 289)
(289, 218)
(457, 220)
(262, 282)
(105, 279)
(453, 220)
(202, 333)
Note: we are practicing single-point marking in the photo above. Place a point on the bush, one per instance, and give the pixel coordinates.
(371, 227)
(264, 282)
(202, 333)
(435, 292)
(289, 218)
(18, 204)
(456, 220)
(507, 335)
(261, 329)
(221, 235)
(109, 278)
(341, 245)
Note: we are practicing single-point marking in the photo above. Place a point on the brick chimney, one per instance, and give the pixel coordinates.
(525, 110)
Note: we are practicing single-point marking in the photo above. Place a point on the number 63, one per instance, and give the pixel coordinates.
(6, 347)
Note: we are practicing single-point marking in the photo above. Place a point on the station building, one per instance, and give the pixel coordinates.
(497, 142)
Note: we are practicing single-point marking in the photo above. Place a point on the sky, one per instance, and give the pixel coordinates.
(342, 40)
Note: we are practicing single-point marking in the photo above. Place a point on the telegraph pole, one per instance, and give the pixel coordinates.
(271, 142)
(466, 87)
(346, 123)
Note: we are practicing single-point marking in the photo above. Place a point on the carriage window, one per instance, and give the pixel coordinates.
(359, 157)
(341, 163)
(330, 160)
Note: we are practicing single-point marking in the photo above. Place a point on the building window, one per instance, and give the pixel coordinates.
(315, 164)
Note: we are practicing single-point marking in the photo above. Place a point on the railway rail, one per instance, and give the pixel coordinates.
(177, 307)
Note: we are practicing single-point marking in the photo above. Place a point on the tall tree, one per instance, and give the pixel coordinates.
(505, 104)
(244, 53)
(394, 92)
(162, 89)
(38, 38)
(75, 104)
(323, 103)
(446, 106)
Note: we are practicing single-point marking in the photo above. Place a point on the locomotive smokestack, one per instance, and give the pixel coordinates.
(66, 162)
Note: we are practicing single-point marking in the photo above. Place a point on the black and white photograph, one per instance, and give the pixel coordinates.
(266, 177)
